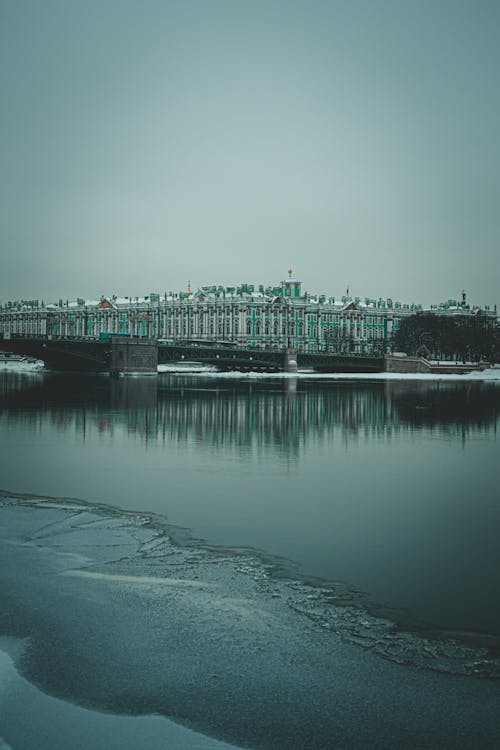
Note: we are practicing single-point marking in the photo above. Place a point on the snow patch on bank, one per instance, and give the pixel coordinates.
(21, 366)
(187, 367)
(491, 375)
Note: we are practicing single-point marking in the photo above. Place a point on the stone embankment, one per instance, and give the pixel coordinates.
(407, 364)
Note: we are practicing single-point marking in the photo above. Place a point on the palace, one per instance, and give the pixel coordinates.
(245, 315)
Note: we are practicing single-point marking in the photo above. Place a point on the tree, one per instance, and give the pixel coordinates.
(462, 337)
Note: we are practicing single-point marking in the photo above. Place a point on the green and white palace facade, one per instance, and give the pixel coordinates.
(249, 316)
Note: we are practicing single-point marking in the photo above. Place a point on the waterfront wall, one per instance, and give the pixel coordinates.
(405, 364)
(398, 364)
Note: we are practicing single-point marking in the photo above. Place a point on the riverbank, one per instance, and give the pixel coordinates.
(492, 374)
(197, 368)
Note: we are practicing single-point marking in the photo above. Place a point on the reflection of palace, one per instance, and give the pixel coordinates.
(279, 416)
(273, 317)
(133, 394)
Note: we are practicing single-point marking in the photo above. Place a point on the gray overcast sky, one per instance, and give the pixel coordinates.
(147, 143)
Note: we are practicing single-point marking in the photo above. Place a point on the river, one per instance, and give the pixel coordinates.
(379, 497)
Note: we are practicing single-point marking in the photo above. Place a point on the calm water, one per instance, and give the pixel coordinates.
(391, 487)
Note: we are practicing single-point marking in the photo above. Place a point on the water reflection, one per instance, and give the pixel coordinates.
(277, 415)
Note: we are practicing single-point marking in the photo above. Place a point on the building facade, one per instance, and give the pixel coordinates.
(248, 316)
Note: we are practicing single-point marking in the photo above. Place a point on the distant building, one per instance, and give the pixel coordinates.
(245, 315)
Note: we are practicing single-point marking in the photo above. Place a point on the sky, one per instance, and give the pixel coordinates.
(147, 143)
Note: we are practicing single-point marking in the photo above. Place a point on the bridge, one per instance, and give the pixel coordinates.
(124, 354)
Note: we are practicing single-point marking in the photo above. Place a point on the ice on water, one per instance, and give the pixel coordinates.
(133, 550)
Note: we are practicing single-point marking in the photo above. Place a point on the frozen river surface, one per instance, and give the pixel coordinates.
(116, 615)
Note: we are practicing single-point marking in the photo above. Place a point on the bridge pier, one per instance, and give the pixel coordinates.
(131, 356)
(290, 363)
